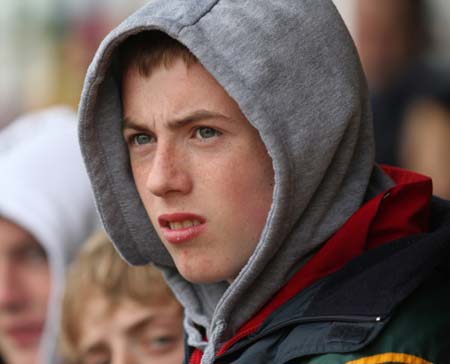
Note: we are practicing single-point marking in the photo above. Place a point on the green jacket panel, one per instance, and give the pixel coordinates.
(418, 332)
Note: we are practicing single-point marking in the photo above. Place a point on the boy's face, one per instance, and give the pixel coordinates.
(24, 291)
(202, 171)
(130, 332)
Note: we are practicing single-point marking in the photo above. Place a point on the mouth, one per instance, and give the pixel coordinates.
(181, 227)
(178, 225)
(25, 335)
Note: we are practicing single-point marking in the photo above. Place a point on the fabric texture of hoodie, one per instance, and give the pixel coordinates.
(45, 190)
(292, 68)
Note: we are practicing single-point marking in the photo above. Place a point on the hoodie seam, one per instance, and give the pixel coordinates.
(200, 17)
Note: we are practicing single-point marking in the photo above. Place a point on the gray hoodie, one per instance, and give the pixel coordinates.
(45, 190)
(293, 69)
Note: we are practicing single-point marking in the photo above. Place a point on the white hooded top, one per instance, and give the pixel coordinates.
(45, 190)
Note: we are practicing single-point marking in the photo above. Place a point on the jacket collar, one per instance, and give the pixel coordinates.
(355, 299)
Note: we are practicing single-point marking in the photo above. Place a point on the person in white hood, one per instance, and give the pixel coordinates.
(46, 212)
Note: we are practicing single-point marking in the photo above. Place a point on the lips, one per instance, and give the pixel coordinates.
(25, 335)
(181, 227)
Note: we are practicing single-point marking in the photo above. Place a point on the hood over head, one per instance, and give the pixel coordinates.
(292, 68)
(45, 190)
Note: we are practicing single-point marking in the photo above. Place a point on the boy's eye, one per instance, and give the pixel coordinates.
(206, 132)
(35, 254)
(158, 344)
(163, 341)
(141, 139)
(32, 253)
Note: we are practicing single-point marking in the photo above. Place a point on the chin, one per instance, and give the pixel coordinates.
(203, 277)
(27, 357)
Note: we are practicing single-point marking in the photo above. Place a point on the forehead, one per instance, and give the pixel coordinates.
(173, 92)
(100, 309)
(102, 321)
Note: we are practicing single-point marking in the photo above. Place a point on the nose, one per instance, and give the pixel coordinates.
(169, 172)
(123, 354)
(12, 296)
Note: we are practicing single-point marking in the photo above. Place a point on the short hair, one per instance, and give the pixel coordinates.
(152, 49)
(100, 271)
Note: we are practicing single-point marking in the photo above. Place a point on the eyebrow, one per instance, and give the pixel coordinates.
(140, 325)
(98, 346)
(194, 116)
(22, 246)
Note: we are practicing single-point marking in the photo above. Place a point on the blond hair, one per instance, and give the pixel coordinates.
(100, 271)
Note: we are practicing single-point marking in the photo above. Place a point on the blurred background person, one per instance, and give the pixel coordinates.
(425, 142)
(46, 212)
(393, 40)
(116, 313)
(46, 47)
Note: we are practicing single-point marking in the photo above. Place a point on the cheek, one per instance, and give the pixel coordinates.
(248, 189)
(138, 175)
(39, 282)
(140, 180)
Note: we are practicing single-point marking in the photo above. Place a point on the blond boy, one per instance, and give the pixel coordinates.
(115, 313)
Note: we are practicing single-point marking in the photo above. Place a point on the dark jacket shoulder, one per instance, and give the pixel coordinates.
(391, 300)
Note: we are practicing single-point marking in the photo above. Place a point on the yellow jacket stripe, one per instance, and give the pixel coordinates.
(397, 358)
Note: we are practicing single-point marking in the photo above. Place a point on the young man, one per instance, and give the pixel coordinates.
(46, 211)
(115, 313)
(230, 143)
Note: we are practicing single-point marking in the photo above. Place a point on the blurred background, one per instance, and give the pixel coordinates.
(46, 47)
